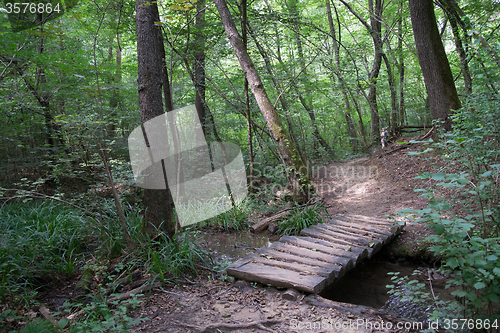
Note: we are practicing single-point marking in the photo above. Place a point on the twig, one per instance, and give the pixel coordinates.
(46, 313)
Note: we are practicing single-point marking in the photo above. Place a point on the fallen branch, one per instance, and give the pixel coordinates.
(428, 134)
(255, 324)
(46, 314)
(264, 223)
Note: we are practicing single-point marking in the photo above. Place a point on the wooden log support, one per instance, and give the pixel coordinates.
(321, 254)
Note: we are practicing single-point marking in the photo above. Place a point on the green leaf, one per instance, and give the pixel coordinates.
(452, 262)
(459, 293)
(487, 173)
(438, 229)
(63, 323)
(479, 285)
(439, 176)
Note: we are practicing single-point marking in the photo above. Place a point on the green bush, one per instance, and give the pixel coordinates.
(466, 239)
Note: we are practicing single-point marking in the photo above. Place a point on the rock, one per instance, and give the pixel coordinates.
(290, 295)
(241, 284)
(273, 228)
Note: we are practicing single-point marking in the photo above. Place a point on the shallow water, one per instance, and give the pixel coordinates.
(232, 246)
(366, 285)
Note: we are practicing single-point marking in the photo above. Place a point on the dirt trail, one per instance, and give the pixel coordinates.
(359, 186)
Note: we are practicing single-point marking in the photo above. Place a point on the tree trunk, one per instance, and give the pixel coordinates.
(297, 173)
(376, 31)
(340, 77)
(199, 65)
(461, 54)
(159, 203)
(283, 100)
(244, 20)
(443, 97)
(390, 79)
(306, 102)
(401, 67)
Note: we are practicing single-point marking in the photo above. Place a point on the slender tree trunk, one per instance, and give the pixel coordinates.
(376, 27)
(392, 89)
(297, 173)
(244, 20)
(283, 100)
(401, 67)
(464, 65)
(338, 73)
(199, 65)
(306, 102)
(443, 97)
(159, 203)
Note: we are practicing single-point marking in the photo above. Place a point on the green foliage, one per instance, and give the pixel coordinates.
(38, 238)
(234, 219)
(414, 294)
(302, 218)
(176, 257)
(39, 325)
(101, 316)
(466, 239)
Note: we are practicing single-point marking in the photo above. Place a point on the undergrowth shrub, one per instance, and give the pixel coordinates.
(466, 223)
(181, 255)
(302, 218)
(37, 238)
(234, 219)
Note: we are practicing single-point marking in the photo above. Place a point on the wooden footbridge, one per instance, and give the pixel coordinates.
(321, 254)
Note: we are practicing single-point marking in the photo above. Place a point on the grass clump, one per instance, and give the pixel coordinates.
(302, 218)
(37, 238)
(234, 219)
(180, 256)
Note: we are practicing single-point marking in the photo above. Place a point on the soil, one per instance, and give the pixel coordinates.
(375, 186)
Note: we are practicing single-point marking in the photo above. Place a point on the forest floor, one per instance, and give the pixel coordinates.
(373, 186)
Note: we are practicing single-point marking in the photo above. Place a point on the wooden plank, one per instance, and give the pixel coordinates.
(372, 242)
(301, 268)
(372, 220)
(339, 271)
(360, 251)
(353, 239)
(303, 252)
(382, 230)
(333, 239)
(356, 233)
(384, 239)
(352, 229)
(300, 241)
(278, 277)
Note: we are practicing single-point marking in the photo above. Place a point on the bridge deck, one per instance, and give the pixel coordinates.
(320, 255)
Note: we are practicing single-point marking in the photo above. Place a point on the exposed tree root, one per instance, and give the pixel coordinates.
(255, 324)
